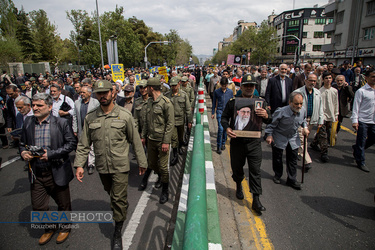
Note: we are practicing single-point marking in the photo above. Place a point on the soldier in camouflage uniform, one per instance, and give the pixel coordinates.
(139, 117)
(110, 128)
(182, 111)
(190, 92)
(157, 129)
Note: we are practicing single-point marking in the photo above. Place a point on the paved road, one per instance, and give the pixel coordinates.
(334, 210)
(147, 225)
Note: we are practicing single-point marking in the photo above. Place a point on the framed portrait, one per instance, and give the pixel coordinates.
(246, 122)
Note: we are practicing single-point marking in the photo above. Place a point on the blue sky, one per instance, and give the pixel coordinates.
(203, 23)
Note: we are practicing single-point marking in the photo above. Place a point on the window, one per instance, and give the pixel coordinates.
(304, 35)
(337, 40)
(368, 33)
(305, 21)
(318, 34)
(370, 8)
(330, 20)
(340, 17)
(293, 23)
(303, 47)
(320, 21)
(291, 49)
(329, 34)
(317, 47)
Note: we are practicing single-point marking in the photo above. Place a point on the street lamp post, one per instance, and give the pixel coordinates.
(100, 37)
(163, 42)
(296, 55)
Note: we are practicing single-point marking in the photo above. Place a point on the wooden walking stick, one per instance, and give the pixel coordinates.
(304, 156)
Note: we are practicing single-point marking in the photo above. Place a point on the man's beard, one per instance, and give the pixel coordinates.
(242, 122)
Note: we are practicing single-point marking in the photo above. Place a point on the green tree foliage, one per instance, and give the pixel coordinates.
(24, 36)
(10, 50)
(8, 18)
(263, 47)
(44, 35)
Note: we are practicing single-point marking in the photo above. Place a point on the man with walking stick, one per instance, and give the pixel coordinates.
(282, 133)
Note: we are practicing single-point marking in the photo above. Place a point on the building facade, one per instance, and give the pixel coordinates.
(352, 31)
(301, 29)
(237, 32)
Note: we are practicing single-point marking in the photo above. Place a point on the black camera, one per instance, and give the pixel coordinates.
(35, 150)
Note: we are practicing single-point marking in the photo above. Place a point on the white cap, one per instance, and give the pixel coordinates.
(120, 82)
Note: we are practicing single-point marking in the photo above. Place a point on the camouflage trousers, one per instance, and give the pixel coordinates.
(322, 137)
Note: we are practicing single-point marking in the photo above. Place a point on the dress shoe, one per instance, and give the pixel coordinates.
(363, 167)
(324, 158)
(90, 169)
(307, 167)
(158, 182)
(223, 147)
(5, 147)
(46, 237)
(276, 180)
(294, 184)
(315, 147)
(218, 151)
(239, 192)
(257, 206)
(62, 237)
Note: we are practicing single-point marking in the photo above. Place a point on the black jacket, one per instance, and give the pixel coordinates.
(63, 142)
(274, 94)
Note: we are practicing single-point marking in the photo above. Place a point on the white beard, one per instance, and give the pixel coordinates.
(242, 122)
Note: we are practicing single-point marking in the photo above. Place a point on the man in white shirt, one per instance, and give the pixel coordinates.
(363, 119)
(58, 100)
(330, 104)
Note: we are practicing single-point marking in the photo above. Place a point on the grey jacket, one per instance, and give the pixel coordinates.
(318, 114)
(284, 127)
(93, 104)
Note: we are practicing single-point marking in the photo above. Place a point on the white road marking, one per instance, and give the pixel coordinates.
(131, 228)
(10, 161)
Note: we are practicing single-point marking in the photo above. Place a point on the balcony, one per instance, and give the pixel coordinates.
(329, 27)
(327, 47)
(330, 9)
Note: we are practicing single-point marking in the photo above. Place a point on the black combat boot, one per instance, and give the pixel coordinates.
(180, 151)
(174, 157)
(158, 182)
(164, 193)
(144, 181)
(239, 192)
(257, 206)
(117, 239)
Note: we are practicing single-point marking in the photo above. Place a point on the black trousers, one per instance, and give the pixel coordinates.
(291, 162)
(250, 150)
(44, 187)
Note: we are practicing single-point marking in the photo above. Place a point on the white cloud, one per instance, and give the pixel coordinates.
(203, 23)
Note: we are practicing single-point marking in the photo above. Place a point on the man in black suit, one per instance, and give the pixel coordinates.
(299, 81)
(278, 89)
(50, 173)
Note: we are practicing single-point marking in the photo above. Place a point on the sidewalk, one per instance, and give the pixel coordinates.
(240, 227)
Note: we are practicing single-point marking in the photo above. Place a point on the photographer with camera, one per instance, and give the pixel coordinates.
(49, 172)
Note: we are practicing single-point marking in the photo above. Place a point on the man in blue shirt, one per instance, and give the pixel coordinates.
(220, 98)
(282, 134)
